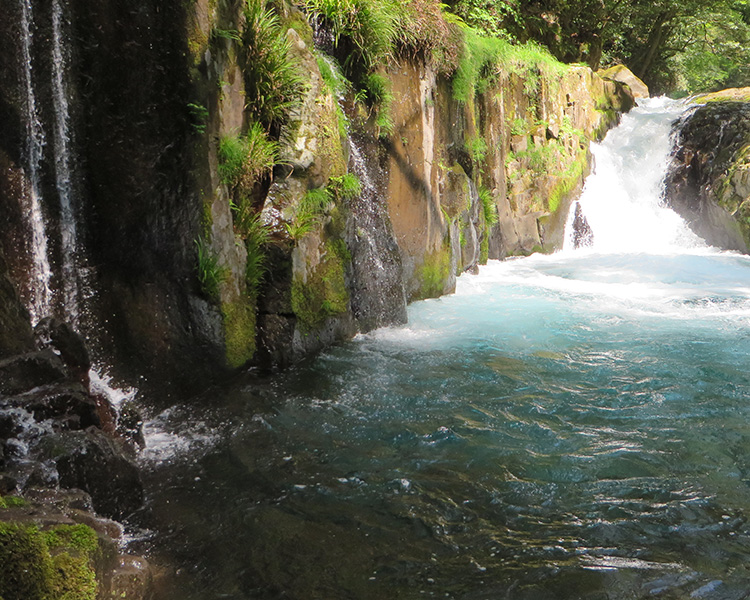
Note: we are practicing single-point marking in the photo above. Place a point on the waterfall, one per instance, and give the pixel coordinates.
(63, 169)
(379, 298)
(622, 198)
(40, 293)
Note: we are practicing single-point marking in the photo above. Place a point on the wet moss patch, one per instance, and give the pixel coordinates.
(47, 565)
(324, 294)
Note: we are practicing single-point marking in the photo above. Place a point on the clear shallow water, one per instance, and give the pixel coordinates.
(566, 426)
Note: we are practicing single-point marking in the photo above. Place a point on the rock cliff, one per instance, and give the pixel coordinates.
(708, 182)
(182, 267)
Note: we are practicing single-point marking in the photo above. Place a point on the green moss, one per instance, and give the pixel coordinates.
(72, 578)
(484, 249)
(51, 565)
(11, 501)
(25, 563)
(80, 537)
(298, 22)
(567, 181)
(434, 272)
(324, 294)
(239, 331)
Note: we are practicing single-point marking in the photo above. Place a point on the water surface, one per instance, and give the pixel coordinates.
(565, 426)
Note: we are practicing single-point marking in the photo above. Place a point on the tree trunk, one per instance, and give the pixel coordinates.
(655, 38)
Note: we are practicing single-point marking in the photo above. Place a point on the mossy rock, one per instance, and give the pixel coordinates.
(47, 565)
(239, 320)
(728, 95)
(435, 272)
(324, 293)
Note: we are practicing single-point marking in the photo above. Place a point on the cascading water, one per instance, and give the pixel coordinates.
(63, 168)
(563, 427)
(39, 290)
(379, 298)
(621, 200)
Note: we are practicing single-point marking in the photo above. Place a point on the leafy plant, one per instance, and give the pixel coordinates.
(489, 208)
(199, 115)
(210, 274)
(477, 149)
(225, 34)
(380, 97)
(273, 82)
(256, 242)
(317, 202)
(245, 159)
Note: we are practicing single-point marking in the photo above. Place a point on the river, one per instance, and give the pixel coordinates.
(567, 426)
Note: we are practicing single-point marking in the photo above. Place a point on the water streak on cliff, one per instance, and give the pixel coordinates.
(378, 297)
(38, 284)
(63, 166)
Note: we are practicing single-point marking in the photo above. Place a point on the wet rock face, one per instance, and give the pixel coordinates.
(708, 182)
(583, 236)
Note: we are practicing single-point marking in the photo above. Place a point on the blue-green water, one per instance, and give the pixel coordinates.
(574, 426)
(563, 427)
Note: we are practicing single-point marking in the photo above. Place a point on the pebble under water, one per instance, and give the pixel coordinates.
(565, 426)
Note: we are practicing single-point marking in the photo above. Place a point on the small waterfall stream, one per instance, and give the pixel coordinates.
(379, 298)
(562, 427)
(39, 283)
(63, 167)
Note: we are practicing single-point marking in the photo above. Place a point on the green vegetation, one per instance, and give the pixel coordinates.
(477, 149)
(484, 58)
(378, 91)
(199, 116)
(256, 236)
(489, 208)
(47, 565)
(243, 160)
(12, 501)
(434, 272)
(210, 274)
(273, 82)
(317, 202)
(322, 294)
(673, 45)
(239, 331)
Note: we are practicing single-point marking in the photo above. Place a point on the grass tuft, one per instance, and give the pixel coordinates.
(273, 81)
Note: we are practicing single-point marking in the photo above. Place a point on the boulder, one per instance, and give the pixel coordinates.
(708, 181)
(624, 75)
(63, 339)
(24, 372)
(92, 461)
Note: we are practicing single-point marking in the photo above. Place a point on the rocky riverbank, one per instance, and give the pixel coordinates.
(66, 469)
